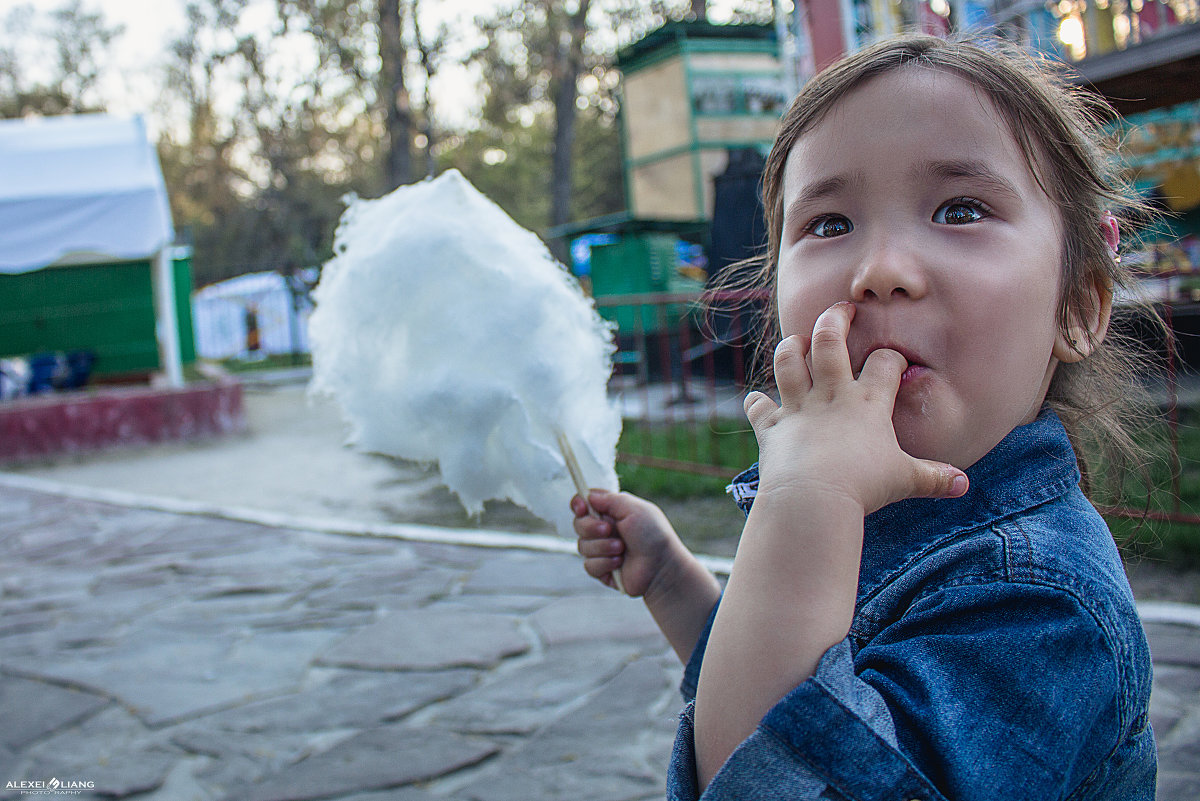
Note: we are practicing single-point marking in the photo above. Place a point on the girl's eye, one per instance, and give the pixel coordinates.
(960, 211)
(829, 225)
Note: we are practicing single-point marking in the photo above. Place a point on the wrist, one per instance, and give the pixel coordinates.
(680, 598)
(803, 545)
(679, 569)
(802, 497)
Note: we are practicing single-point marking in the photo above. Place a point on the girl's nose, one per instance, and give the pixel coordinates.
(889, 271)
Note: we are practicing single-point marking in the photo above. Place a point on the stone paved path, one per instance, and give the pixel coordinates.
(174, 657)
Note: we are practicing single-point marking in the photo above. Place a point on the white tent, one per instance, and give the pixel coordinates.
(87, 189)
(220, 313)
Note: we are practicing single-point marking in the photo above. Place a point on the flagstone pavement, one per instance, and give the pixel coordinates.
(155, 655)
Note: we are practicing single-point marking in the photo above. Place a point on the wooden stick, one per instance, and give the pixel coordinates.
(581, 487)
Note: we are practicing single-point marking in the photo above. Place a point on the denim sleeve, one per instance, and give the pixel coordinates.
(691, 671)
(978, 692)
(768, 764)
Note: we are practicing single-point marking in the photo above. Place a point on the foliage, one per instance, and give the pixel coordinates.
(271, 361)
(70, 42)
(543, 63)
(259, 182)
(264, 130)
(533, 57)
(509, 165)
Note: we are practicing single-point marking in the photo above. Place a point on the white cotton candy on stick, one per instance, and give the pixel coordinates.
(576, 473)
(447, 334)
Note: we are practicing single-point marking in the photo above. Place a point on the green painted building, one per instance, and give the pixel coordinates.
(691, 92)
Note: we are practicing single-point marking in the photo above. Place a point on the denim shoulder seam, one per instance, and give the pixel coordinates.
(1070, 585)
(1066, 583)
(1042, 496)
(962, 580)
(1052, 580)
(906, 564)
(1018, 561)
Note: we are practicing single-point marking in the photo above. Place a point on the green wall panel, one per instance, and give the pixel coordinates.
(105, 308)
(183, 309)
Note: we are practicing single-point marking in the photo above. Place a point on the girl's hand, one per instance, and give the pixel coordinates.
(832, 434)
(828, 455)
(631, 534)
(634, 535)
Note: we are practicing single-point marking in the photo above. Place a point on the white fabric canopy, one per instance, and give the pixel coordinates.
(220, 312)
(79, 189)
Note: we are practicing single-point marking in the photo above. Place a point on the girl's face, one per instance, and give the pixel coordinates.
(912, 200)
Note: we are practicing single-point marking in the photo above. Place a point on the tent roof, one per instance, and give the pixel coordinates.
(242, 285)
(79, 189)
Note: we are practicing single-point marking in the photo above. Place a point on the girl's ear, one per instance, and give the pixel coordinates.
(1087, 326)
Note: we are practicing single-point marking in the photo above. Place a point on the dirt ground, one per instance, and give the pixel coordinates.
(293, 459)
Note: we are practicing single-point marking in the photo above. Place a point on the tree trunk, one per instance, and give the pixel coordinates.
(397, 167)
(569, 64)
(429, 67)
(700, 9)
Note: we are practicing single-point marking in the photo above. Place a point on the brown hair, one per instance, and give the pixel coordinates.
(1059, 129)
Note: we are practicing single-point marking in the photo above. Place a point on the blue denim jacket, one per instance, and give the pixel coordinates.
(995, 652)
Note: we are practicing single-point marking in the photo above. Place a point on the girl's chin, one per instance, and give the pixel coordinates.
(920, 435)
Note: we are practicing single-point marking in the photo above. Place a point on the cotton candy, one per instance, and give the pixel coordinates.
(447, 334)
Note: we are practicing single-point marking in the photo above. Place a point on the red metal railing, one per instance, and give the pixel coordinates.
(681, 372)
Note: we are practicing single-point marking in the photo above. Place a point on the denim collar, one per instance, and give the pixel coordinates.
(1033, 464)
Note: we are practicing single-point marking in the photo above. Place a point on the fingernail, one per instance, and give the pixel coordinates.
(959, 487)
(847, 305)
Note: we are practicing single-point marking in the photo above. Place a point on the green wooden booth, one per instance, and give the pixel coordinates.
(106, 308)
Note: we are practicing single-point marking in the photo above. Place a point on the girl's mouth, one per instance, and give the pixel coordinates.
(915, 368)
(912, 373)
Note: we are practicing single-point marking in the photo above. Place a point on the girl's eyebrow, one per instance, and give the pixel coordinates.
(820, 190)
(978, 172)
(975, 171)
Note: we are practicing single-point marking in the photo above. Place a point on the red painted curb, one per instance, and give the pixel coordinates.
(76, 422)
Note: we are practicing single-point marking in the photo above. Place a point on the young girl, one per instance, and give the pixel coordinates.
(923, 603)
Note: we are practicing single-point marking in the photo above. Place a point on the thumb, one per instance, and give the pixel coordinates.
(938, 480)
(613, 505)
(758, 407)
(601, 500)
